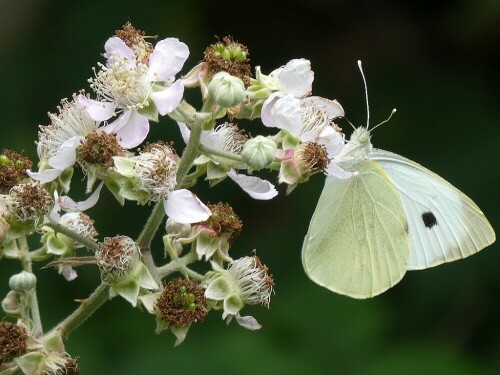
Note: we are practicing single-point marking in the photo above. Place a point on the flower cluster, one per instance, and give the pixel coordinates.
(102, 135)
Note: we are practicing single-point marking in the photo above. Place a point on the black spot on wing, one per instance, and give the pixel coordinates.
(429, 219)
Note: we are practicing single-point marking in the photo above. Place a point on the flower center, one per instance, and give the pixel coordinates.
(116, 255)
(311, 157)
(182, 303)
(313, 118)
(155, 170)
(99, 148)
(124, 83)
(29, 202)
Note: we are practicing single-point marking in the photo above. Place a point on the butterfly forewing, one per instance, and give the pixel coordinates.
(444, 224)
(357, 242)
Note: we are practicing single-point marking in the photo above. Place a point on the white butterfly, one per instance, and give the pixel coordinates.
(394, 215)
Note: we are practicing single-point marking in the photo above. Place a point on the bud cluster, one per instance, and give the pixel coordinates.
(103, 136)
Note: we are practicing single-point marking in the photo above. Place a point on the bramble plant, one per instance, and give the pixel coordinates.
(104, 134)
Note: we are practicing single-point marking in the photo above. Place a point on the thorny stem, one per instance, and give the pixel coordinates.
(27, 266)
(101, 294)
(158, 213)
(84, 311)
(146, 236)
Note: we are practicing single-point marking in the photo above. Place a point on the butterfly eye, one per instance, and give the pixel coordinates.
(364, 137)
(429, 219)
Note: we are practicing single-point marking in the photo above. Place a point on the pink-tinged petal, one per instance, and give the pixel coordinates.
(248, 322)
(134, 131)
(167, 59)
(69, 205)
(115, 47)
(119, 123)
(286, 154)
(45, 176)
(331, 107)
(169, 98)
(286, 113)
(65, 157)
(185, 131)
(98, 111)
(296, 78)
(69, 273)
(334, 170)
(185, 207)
(256, 187)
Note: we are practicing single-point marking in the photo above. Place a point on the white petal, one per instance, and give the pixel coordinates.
(185, 132)
(167, 59)
(115, 47)
(332, 140)
(119, 123)
(287, 114)
(45, 176)
(296, 78)
(69, 205)
(98, 111)
(336, 171)
(331, 107)
(134, 131)
(254, 186)
(169, 98)
(185, 207)
(265, 114)
(65, 157)
(248, 322)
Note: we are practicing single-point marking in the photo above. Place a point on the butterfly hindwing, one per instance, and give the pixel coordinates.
(357, 243)
(444, 224)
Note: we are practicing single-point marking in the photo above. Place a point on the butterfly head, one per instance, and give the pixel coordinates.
(361, 136)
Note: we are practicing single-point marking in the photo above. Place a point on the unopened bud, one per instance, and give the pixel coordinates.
(259, 152)
(226, 90)
(22, 281)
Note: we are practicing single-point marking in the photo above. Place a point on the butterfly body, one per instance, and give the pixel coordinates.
(391, 216)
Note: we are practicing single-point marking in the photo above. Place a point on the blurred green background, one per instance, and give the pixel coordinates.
(435, 61)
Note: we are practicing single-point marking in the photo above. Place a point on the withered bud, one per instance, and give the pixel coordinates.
(13, 341)
(182, 303)
(228, 56)
(223, 221)
(12, 169)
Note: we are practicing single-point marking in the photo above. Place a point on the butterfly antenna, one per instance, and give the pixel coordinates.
(387, 119)
(366, 95)
(350, 123)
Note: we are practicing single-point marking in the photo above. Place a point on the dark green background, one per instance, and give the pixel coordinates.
(435, 61)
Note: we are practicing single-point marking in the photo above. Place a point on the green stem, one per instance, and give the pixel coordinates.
(223, 154)
(87, 242)
(158, 213)
(180, 264)
(27, 266)
(84, 311)
(190, 152)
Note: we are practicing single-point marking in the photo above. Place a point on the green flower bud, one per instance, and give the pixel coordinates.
(226, 90)
(22, 281)
(259, 152)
